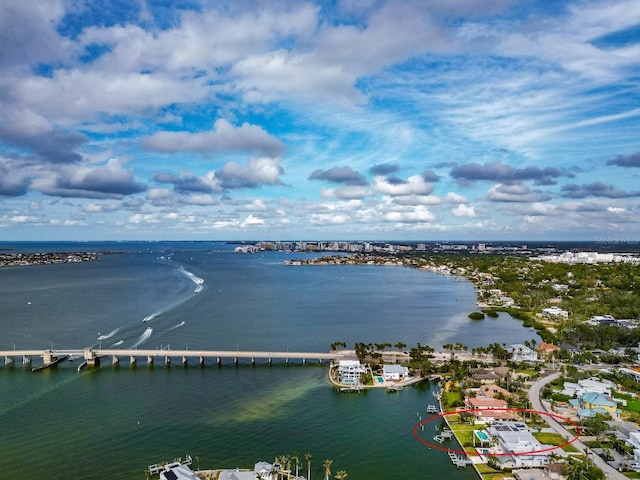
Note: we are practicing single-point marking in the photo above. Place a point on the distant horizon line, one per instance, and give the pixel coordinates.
(608, 241)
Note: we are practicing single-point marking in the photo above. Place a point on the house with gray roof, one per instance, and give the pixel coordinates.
(516, 439)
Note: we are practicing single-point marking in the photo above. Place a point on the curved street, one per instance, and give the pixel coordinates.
(534, 397)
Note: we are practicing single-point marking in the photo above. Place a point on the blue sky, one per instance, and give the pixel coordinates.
(355, 119)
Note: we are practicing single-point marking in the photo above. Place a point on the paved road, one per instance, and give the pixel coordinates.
(536, 404)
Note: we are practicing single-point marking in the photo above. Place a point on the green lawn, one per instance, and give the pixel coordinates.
(464, 433)
(483, 468)
(633, 405)
(554, 439)
(450, 397)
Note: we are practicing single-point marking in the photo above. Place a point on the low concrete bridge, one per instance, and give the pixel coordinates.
(93, 356)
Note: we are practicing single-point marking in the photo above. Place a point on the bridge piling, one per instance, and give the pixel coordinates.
(115, 360)
(184, 360)
(26, 360)
(202, 361)
(8, 360)
(149, 360)
(132, 360)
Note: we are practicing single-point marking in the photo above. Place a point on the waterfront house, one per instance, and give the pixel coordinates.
(493, 391)
(555, 312)
(178, 471)
(261, 471)
(547, 349)
(349, 371)
(394, 372)
(488, 410)
(485, 403)
(522, 448)
(522, 353)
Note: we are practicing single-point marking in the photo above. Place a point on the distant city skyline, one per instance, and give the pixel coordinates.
(400, 120)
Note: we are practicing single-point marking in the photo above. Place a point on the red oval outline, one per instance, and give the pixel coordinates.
(524, 410)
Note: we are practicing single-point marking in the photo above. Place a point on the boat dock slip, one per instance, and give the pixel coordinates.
(446, 434)
(92, 357)
(459, 460)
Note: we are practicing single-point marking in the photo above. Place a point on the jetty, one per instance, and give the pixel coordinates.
(50, 363)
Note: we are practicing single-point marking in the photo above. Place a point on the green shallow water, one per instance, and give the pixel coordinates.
(114, 422)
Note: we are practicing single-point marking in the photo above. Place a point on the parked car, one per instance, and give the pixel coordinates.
(634, 466)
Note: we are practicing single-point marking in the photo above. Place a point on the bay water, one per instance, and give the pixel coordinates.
(112, 422)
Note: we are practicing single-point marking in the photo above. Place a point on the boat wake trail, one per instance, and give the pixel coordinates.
(194, 278)
(109, 335)
(143, 338)
(175, 326)
(199, 282)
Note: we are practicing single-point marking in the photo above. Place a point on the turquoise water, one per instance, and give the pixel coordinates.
(113, 422)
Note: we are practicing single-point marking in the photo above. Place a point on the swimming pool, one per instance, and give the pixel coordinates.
(482, 435)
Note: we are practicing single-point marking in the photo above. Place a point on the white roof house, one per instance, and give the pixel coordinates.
(394, 372)
(587, 385)
(261, 471)
(634, 441)
(555, 312)
(517, 439)
(178, 471)
(349, 371)
(522, 353)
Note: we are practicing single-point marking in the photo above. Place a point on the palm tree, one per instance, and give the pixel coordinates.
(296, 457)
(307, 457)
(341, 475)
(287, 461)
(280, 462)
(327, 468)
